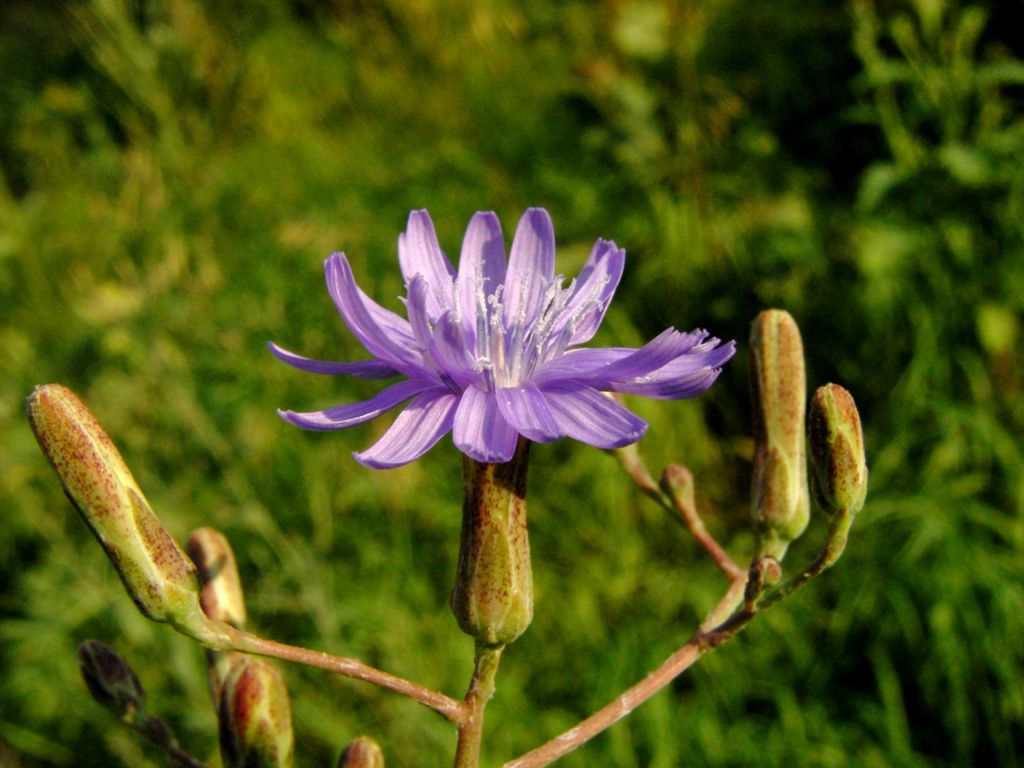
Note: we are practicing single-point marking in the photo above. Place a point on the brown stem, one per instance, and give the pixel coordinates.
(681, 495)
(481, 688)
(671, 668)
(682, 509)
(450, 709)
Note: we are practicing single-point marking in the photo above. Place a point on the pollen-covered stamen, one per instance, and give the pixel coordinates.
(506, 351)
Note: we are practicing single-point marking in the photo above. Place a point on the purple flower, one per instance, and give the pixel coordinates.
(489, 352)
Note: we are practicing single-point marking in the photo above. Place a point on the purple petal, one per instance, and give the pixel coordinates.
(586, 415)
(687, 376)
(481, 267)
(415, 430)
(361, 369)
(600, 367)
(593, 292)
(416, 307)
(352, 304)
(658, 387)
(420, 254)
(527, 410)
(531, 266)
(343, 416)
(480, 431)
(448, 350)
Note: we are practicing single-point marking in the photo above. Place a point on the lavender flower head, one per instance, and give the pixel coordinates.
(489, 353)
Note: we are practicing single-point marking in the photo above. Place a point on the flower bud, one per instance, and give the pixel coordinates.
(221, 596)
(781, 506)
(111, 681)
(838, 466)
(363, 752)
(254, 716)
(159, 577)
(493, 595)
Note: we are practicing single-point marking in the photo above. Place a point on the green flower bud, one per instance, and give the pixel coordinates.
(254, 716)
(781, 505)
(493, 595)
(158, 575)
(363, 752)
(838, 465)
(111, 681)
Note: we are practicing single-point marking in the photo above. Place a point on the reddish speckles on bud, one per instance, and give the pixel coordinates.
(156, 572)
(254, 716)
(838, 465)
(493, 595)
(781, 505)
(363, 752)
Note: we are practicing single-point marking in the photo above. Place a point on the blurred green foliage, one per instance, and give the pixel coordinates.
(173, 173)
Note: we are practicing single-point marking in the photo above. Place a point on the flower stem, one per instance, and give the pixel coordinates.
(669, 496)
(481, 688)
(448, 708)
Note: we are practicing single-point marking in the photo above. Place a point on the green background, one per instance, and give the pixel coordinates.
(173, 174)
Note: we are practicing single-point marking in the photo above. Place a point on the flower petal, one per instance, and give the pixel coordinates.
(586, 415)
(448, 351)
(361, 369)
(415, 430)
(663, 387)
(527, 410)
(380, 340)
(599, 368)
(343, 416)
(531, 267)
(687, 376)
(480, 431)
(593, 291)
(481, 269)
(416, 308)
(420, 254)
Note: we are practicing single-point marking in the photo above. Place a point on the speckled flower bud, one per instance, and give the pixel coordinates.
(254, 716)
(493, 595)
(363, 752)
(780, 503)
(111, 681)
(838, 465)
(156, 572)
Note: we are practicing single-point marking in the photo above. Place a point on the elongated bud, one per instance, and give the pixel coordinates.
(493, 595)
(111, 681)
(363, 752)
(781, 505)
(159, 577)
(221, 596)
(838, 464)
(254, 716)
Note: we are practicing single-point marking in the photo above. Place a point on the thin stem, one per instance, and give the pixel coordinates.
(448, 708)
(684, 503)
(481, 688)
(724, 622)
(670, 669)
(156, 730)
(670, 498)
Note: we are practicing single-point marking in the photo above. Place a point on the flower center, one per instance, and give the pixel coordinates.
(508, 350)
